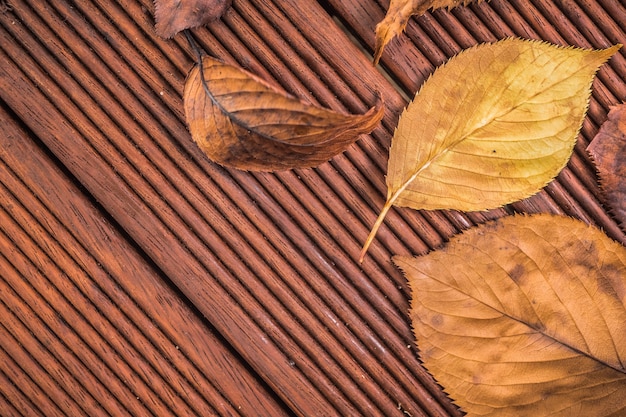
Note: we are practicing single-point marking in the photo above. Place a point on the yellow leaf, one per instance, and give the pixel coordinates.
(525, 316)
(492, 126)
(398, 15)
(240, 121)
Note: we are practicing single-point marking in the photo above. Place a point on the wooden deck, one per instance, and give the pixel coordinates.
(138, 278)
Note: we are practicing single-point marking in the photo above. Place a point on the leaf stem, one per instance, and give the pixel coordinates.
(194, 46)
(199, 56)
(372, 234)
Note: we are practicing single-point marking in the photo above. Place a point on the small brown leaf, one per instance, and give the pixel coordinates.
(240, 121)
(608, 149)
(398, 15)
(524, 316)
(172, 16)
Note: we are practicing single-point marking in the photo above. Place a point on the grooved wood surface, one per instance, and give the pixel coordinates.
(139, 278)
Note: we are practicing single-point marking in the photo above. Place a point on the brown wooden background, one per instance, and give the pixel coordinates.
(138, 278)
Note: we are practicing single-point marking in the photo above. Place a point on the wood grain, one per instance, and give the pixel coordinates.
(134, 267)
(74, 284)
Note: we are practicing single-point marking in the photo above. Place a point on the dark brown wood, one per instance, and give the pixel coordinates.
(140, 278)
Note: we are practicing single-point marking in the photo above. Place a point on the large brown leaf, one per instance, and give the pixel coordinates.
(172, 16)
(608, 149)
(242, 122)
(492, 126)
(525, 316)
(398, 15)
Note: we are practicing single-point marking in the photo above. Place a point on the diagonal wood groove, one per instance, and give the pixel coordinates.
(239, 292)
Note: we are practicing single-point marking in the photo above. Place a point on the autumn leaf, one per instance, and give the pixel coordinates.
(398, 15)
(240, 121)
(172, 16)
(524, 316)
(608, 150)
(492, 126)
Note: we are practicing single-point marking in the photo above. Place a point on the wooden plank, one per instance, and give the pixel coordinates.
(62, 260)
(270, 259)
(286, 364)
(170, 250)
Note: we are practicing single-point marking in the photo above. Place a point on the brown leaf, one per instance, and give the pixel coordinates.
(398, 15)
(524, 316)
(242, 122)
(608, 149)
(172, 16)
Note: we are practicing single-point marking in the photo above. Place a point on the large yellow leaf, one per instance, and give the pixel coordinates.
(525, 316)
(493, 125)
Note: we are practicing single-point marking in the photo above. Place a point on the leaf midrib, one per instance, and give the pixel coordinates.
(450, 147)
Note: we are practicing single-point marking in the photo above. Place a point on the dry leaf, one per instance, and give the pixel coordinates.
(242, 122)
(492, 126)
(172, 16)
(398, 15)
(525, 316)
(608, 150)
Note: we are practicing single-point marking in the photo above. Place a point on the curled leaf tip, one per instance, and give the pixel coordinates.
(398, 15)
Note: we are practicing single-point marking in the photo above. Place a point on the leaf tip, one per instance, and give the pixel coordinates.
(613, 49)
(381, 41)
(377, 111)
(392, 25)
(606, 53)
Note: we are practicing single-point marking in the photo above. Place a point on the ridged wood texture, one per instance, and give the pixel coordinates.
(138, 278)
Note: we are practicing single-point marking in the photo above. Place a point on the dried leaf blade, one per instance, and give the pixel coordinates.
(398, 15)
(524, 316)
(608, 150)
(173, 16)
(492, 126)
(240, 121)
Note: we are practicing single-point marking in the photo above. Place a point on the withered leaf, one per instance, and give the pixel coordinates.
(398, 15)
(524, 316)
(172, 16)
(240, 121)
(492, 126)
(608, 150)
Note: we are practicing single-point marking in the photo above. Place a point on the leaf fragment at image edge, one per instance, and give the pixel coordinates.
(494, 125)
(524, 316)
(398, 15)
(173, 16)
(240, 121)
(608, 150)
